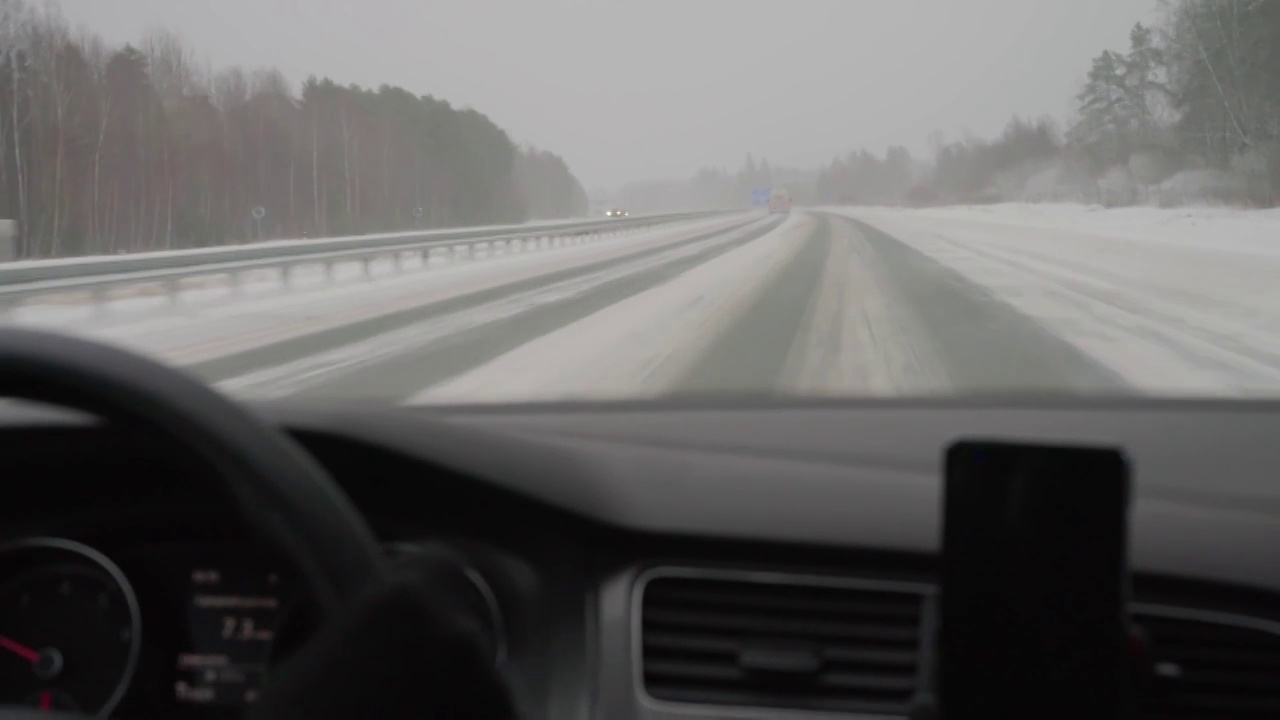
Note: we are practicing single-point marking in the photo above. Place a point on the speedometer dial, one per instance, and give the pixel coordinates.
(69, 627)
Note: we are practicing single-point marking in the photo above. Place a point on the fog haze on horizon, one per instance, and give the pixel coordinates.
(630, 91)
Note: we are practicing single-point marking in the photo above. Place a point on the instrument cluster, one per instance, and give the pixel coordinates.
(142, 631)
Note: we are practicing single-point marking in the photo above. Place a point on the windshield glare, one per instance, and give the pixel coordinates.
(455, 203)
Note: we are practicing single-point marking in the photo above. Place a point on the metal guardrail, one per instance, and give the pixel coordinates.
(21, 282)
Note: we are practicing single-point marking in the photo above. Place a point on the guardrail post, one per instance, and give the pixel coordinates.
(366, 267)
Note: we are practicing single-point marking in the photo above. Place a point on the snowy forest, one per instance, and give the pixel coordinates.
(123, 149)
(1188, 113)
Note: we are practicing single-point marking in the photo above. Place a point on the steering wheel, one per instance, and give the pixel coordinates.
(281, 492)
(390, 615)
(394, 637)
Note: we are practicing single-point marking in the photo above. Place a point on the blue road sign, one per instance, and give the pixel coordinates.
(760, 196)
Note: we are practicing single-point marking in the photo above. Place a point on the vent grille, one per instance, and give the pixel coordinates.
(751, 643)
(1207, 667)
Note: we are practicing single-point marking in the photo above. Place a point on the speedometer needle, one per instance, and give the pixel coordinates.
(17, 648)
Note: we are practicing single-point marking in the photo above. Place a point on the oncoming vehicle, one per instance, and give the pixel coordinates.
(780, 202)
(616, 212)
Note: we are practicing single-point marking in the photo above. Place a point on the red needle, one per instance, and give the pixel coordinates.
(18, 649)
(46, 700)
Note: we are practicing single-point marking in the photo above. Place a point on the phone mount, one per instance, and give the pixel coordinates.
(1031, 616)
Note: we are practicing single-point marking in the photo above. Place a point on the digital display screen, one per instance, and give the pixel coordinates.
(232, 616)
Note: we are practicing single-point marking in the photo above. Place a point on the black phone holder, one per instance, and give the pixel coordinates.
(1031, 615)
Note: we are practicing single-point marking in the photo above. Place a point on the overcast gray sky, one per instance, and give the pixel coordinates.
(632, 90)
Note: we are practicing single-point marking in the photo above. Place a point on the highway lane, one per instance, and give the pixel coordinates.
(823, 306)
(384, 358)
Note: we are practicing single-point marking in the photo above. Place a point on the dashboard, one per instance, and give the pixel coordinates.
(629, 559)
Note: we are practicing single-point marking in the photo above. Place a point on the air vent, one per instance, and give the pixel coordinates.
(1211, 666)
(781, 644)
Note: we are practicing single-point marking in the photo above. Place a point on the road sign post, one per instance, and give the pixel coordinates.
(258, 212)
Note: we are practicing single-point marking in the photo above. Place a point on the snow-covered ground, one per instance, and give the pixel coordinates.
(1183, 300)
(1218, 228)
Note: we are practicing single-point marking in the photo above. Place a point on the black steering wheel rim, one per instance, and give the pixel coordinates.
(282, 492)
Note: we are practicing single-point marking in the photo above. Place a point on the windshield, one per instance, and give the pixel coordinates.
(529, 200)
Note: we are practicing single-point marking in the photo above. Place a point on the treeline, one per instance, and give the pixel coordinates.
(864, 178)
(109, 150)
(1189, 112)
(550, 191)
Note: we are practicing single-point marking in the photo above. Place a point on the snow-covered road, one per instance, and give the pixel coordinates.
(1182, 301)
(839, 301)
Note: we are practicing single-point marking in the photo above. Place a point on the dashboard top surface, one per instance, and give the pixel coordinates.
(836, 474)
